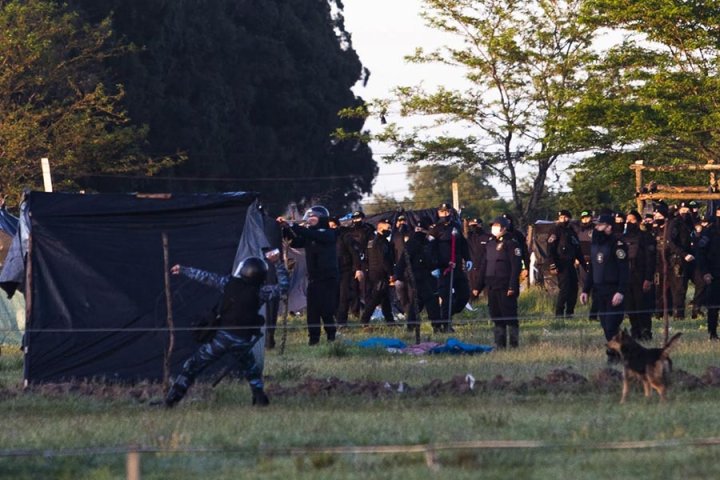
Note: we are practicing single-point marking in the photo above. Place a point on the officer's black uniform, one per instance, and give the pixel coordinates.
(348, 263)
(641, 262)
(420, 255)
(358, 235)
(398, 239)
(442, 232)
(564, 250)
(501, 275)
(320, 246)
(675, 249)
(238, 325)
(584, 233)
(378, 266)
(477, 247)
(699, 241)
(608, 275)
(709, 264)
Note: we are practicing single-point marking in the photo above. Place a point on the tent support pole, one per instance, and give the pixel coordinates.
(170, 322)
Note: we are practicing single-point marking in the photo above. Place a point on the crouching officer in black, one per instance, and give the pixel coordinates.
(564, 250)
(607, 278)
(238, 326)
(414, 269)
(379, 261)
(319, 242)
(501, 275)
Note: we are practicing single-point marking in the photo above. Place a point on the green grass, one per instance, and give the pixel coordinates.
(243, 440)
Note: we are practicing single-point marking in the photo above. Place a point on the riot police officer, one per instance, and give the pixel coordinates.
(607, 279)
(477, 240)
(443, 232)
(584, 230)
(414, 269)
(641, 263)
(378, 266)
(320, 246)
(709, 266)
(500, 273)
(564, 250)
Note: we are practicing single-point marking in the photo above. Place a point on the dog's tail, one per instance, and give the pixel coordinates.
(669, 345)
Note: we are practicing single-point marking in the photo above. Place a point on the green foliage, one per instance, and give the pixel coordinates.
(432, 184)
(654, 96)
(524, 64)
(57, 101)
(250, 90)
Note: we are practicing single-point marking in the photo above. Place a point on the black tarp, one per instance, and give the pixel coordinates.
(98, 304)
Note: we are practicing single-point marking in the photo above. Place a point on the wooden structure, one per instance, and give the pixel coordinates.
(711, 191)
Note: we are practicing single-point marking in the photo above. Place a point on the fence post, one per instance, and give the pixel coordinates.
(133, 465)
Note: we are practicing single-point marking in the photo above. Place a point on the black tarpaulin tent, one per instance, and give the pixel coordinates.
(95, 278)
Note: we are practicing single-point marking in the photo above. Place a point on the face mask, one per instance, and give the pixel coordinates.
(563, 223)
(385, 233)
(496, 231)
(632, 227)
(660, 222)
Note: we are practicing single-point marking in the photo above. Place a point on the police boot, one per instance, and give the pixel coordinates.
(260, 398)
(177, 391)
(500, 336)
(514, 336)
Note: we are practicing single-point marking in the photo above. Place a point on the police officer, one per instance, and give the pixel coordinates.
(584, 230)
(358, 236)
(564, 250)
(641, 263)
(378, 266)
(607, 278)
(699, 240)
(520, 238)
(238, 326)
(401, 233)
(349, 269)
(709, 266)
(678, 251)
(443, 232)
(320, 246)
(415, 269)
(477, 240)
(500, 273)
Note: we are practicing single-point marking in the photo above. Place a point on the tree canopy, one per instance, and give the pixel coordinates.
(57, 100)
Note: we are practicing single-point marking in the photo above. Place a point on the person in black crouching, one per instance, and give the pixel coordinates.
(237, 325)
(500, 273)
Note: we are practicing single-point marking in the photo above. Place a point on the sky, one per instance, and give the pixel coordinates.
(383, 33)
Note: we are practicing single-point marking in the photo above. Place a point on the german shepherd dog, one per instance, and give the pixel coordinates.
(649, 365)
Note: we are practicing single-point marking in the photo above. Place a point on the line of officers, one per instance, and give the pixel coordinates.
(431, 266)
(638, 265)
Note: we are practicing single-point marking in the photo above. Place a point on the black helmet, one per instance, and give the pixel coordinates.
(316, 211)
(253, 270)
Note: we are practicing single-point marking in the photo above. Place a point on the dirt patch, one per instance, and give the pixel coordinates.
(562, 380)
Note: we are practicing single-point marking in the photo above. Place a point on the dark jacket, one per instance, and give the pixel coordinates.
(609, 270)
(442, 234)
(421, 255)
(320, 246)
(379, 257)
(564, 248)
(500, 269)
(641, 253)
(239, 308)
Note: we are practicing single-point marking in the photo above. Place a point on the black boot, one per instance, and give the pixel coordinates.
(500, 336)
(176, 392)
(260, 398)
(514, 336)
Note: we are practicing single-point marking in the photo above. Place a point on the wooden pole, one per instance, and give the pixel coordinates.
(170, 322)
(638, 185)
(28, 307)
(456, 197)
(47, 180)
(132, 465)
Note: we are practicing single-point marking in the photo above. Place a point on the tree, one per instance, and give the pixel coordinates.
(524, 62)
(56, 99)
(250, 90)
(653, 96)
(431, 185)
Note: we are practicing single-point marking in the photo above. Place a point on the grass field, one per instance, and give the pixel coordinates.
(231, 439)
